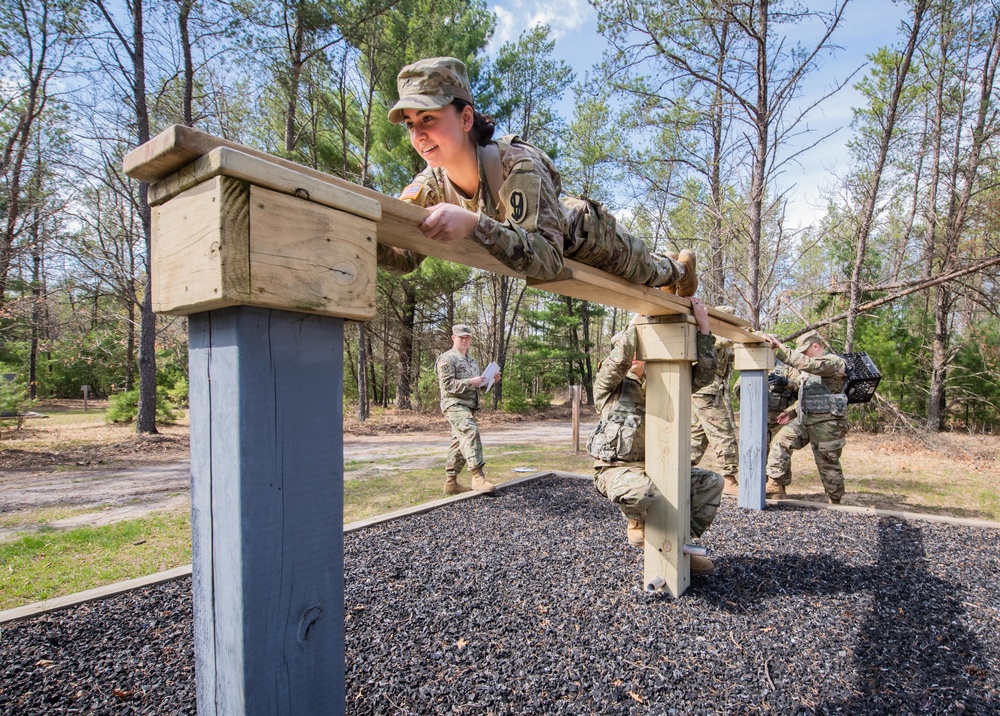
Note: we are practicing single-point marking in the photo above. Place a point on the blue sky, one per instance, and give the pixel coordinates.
(867, 25)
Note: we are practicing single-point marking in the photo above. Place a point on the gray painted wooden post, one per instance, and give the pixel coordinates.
(266, 391)
(753, 361)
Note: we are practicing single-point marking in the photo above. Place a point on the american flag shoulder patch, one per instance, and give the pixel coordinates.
(412, 192)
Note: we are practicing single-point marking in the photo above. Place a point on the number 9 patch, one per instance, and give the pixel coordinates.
(520, 194)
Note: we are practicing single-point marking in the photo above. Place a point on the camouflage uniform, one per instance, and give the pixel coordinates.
(618, 442)
(780, 395)
(459, 403)
(710, 419)
(528, 227)
(818, 418)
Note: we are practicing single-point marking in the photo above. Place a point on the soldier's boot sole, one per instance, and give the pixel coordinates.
(480, 483)
(671, 288)
(454, 488)
(701, 565)
(774, 491)
(636, 533)
(688, 285)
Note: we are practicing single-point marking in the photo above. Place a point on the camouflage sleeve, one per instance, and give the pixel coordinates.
(615, 367)
(825, 365)
(725, 354)
(704, 370)
(400, 261)
(530, 240)
(794, 381)
(450, 384)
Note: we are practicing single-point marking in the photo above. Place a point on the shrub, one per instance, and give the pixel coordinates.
(123, 408)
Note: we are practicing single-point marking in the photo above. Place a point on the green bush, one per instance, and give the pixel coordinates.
(14, 402)
(123, 408)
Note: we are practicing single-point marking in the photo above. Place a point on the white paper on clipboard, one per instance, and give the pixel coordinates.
(491, 372)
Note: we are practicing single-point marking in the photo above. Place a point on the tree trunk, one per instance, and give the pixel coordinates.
(362, 374)
(407, 317)
(871, 189)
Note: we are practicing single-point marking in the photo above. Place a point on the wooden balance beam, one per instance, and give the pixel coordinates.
(268, 258)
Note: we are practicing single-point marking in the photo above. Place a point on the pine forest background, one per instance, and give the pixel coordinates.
(686, 128)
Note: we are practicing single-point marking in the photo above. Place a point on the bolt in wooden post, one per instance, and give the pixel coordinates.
(668, 345)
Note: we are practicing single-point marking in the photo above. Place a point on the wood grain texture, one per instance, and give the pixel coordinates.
(223, 161)
(226, 243)
(201, 244)
(176, 147)
(267, 509)
(668, 452)
(310, 258)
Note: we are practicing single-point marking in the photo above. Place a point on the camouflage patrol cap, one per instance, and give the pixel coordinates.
(430, 84)
(461, 329)
(808, 338)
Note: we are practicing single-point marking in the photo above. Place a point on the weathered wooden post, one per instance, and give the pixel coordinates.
(267, 266)
(753, 360)
(668, 345)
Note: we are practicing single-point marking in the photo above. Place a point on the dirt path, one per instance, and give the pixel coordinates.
(101, 496)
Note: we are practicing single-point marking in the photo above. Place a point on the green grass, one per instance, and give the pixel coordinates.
(47, 564)
(395, 489)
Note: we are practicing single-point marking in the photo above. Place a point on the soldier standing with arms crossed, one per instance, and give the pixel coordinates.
(461, 382)
(618, 442)
(819, 416)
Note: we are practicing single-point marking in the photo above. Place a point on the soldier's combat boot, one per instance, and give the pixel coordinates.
(689, 282)
(672, 288)
(636, 532)
(732, 486)
(701, 565)
(772, 490)
(479, 482)
(833, 500)
(452, 487)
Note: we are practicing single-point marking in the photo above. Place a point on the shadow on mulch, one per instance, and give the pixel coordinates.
(531, 603)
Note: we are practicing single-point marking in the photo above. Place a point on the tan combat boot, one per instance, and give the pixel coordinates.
(672, 288)
(479, 482)
(636, 533)
(701, 565)
(833, 500)
(773, 491)
(452, 487)
(732, 486)
(688, 284)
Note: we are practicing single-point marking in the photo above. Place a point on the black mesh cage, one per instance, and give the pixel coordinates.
(862, 377)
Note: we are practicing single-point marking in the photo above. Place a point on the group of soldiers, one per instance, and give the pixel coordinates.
(806, 405)
(504, 195)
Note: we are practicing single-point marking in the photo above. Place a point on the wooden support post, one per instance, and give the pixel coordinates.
(267, 266)
(753, 361)
(668, 345)
(267, 511)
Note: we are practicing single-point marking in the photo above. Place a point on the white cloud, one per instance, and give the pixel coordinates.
(515, 16)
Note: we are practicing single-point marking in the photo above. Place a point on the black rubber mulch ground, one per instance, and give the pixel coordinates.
(529, 602)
